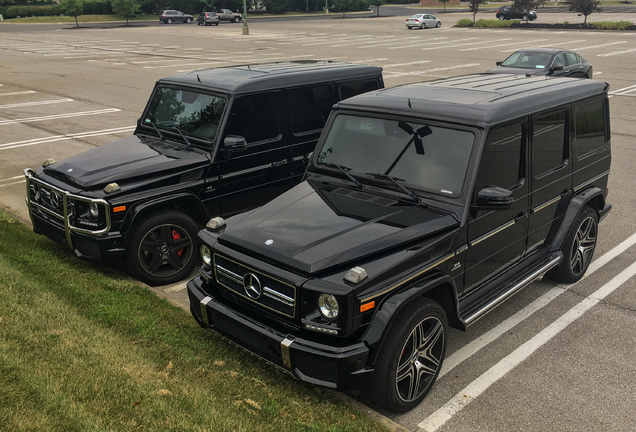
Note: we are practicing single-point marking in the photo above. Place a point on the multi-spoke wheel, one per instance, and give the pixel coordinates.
(411, 358)
(578, 248)
(161, 250)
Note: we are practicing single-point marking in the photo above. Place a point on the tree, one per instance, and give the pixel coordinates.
(444, 1)
(473, 6)
(378, 3)
(525, 5)
(276, 6)
(344, 5)
(73, 8)
(584, 7)
(125, 8)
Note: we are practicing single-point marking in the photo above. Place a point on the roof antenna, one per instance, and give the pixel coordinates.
(198, 79)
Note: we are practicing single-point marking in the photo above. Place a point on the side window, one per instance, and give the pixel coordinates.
(255, 117)
(549, 142)
(571, 59)
(559, 60)
(351, 89)
(502, 161)
(589, 128)
(309, 107)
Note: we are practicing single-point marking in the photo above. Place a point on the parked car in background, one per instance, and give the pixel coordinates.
(508, 12)
(545, 61)
(209, 142)
(228, 15)
(422, 21)
(170, 16)
(208, 18)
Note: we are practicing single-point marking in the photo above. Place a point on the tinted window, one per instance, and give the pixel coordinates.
(571, 59)
(501, 163)
(351, 89)
(255, 117)
(549, 142)
(559, 60)
(310, 107)
(589, 124)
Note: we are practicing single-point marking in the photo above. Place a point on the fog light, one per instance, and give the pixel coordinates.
(328, 306)
(206, 255)
(94, 209)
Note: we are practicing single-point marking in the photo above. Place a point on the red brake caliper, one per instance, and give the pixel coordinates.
(176, 236)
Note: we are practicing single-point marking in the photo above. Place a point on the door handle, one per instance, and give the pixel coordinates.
(279, 163)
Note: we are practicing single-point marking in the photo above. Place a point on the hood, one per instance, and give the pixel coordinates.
(125, 159)
(517, 71)
(312, 228)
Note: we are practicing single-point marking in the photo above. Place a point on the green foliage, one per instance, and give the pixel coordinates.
(490, 23)
(9, 12)
(525, 5)
(464, 22)
(126, 8)
(473, 6)
(276, 6)
(378, 3)
(613, 25)
(73, 8)
(584, 7)
(349, 5)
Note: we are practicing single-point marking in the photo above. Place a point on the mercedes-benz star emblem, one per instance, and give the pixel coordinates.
(252, 286)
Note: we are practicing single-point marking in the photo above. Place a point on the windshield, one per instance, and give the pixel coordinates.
(528, 60)
(196, 115)
(425, 157)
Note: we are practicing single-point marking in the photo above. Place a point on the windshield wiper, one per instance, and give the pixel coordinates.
(344, 170)
(395, 181)
(187, 141)
(156, 128)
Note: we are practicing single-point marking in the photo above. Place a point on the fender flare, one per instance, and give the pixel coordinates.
(593, 195)
(193, 207)
(387, 313)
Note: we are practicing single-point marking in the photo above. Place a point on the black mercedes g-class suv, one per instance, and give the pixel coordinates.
(423, 206)
(209, 142)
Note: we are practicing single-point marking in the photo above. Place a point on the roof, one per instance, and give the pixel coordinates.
(479, 100)
(268, 76)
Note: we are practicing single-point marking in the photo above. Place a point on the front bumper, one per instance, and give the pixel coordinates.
(342, 367)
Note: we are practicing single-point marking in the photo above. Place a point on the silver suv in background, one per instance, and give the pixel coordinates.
(170, 16)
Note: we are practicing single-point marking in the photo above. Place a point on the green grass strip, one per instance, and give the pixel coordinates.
(83, 348)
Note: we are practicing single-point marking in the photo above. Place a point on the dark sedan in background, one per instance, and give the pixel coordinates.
(545, 61)
(508, 12)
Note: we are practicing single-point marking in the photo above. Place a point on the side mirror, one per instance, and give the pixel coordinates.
(234, 143)
(499, 63)
(494, 198)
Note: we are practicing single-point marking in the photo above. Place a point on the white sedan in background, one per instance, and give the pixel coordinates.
(422, 21)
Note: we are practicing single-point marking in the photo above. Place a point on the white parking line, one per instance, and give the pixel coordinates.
(623, 91)
(58, 116)
(55, 138)
(436, 420)
(17, 93)
(616, 53)
(24, 104)
(601, 46)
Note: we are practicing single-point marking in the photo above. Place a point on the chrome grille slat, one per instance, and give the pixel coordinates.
(277, 295)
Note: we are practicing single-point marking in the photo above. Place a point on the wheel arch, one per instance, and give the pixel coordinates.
(184, 202)
(439, 288)
(592, 197)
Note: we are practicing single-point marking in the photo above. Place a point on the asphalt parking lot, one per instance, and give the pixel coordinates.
(554, 357)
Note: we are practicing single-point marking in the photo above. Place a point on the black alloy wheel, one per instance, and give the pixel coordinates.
(411, 358)
(578, 249)
(161, 250)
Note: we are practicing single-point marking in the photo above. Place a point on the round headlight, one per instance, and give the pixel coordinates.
(328, 306)
(94, 209)
(206, 255)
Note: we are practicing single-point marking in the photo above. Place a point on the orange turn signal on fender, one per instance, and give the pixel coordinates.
(119, 209)
(367, 306)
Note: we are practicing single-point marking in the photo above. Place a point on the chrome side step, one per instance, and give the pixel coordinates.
(500, 297)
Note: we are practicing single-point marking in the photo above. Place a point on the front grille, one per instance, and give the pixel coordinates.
(256, 286)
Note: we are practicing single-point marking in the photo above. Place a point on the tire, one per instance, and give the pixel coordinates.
(409, 27)
(169, 21)
(501, 17)
(438, 25)
(188, 20)
(524, 17)
(578, 249)
(237, 20)
(162, 248)
(216, 24)
(423, 26)
(416, 345)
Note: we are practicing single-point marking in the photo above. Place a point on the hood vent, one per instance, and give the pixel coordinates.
(442, 247)
(362, 196)
(192, 176)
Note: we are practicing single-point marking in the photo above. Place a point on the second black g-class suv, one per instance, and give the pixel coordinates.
(209, 142)
(424, 206)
